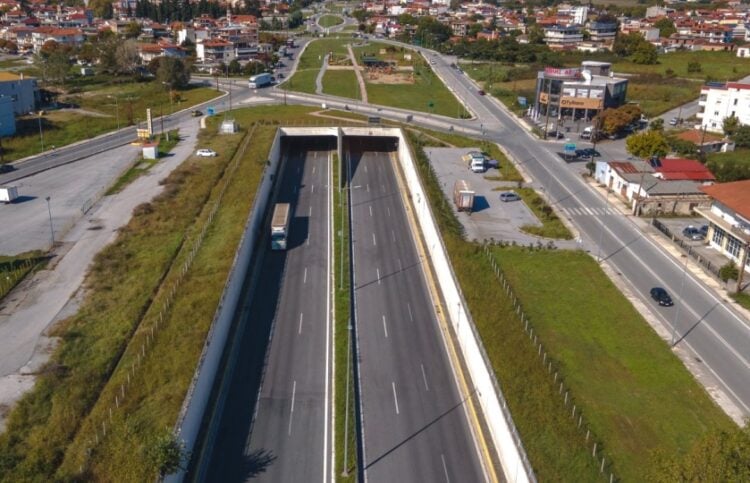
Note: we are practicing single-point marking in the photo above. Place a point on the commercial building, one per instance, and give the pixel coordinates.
(721, 100)
(578, 93)
(23, 91)
(729, 220)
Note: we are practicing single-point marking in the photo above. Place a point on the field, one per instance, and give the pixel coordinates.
(552, 226)
(143, 165)
(341, 83)
(330, 21)
(53, 425)
(634, 394)
(14, 269)
(426, 94)
(98, 114)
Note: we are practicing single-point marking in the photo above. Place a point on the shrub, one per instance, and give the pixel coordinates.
(729, 272)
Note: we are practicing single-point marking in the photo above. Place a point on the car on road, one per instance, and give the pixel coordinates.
(508, 196)
(280, 75)
(555, 134)
(661, 296)
(693, 233)
(433, 62)
(481, 92)
(205, 153)
(6, 168)
(196, 113)
(674, 121)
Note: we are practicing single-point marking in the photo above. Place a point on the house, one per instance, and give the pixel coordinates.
(42, 35)
(23, 91)
(743, 52)
(681, 169)
(706, 142)
(640, 184)
(214, 51)
(558, 37)
(729, 220)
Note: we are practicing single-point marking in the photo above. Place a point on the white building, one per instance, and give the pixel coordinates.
(729, 220)
(719, 101)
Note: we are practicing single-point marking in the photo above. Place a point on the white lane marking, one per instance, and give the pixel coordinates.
(373, 240)
(312, 188)
(315, 154)
(365, 168)
(368, 187)
(445, 469)
(389, 211)
(408, 306)
(309, 212)
(300, 323)
(378, 270)
(400, 267)
(328, 327)
(393, 236)
(313, 172)
(385, 328)
(424, 378)
(395, 399)
(304, 279)
(383, 187)
(291, 410)
(370, 210)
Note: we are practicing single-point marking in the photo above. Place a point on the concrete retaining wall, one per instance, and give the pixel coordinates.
(502, 429)
(196, 401)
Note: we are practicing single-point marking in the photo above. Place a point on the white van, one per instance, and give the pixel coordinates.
(586, 133)
(477, 164)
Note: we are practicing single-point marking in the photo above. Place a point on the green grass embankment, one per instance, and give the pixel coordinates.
(342, 83)
(634, 394)
(142, 165)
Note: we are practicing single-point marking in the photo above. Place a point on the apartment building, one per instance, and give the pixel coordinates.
(729, 220)
(721, 100)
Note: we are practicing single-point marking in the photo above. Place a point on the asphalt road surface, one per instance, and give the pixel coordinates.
(414, 427)
(283, 435)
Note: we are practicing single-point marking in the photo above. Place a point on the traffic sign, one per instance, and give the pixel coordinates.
(210, 111)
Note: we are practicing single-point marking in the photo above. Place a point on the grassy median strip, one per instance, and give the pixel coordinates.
(552, 225)
(330, 21)
(142, 165)
(346, 461)
(634, 394)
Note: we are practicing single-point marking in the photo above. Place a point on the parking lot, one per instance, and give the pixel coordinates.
(491, 218)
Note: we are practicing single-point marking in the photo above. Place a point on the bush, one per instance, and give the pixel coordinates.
(729, 272)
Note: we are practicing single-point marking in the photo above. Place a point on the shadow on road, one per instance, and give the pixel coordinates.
(257, 462)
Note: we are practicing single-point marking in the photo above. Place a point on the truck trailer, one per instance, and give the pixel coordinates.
(260, 80)
(8, 194)
(280, 226)
(463, 196)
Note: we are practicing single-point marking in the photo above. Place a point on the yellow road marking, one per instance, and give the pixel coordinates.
(429, 276)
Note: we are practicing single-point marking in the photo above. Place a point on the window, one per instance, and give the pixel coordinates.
(735, 103)
(733, 246)
(718, 237)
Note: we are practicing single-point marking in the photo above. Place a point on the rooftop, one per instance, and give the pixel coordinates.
(734, 195)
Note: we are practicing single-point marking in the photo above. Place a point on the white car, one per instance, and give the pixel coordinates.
(205, 153)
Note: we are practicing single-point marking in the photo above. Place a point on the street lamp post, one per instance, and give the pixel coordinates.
(51, 229)
(41, 135)
(679, 299)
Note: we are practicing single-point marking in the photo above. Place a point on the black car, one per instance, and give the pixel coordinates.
(692, 233)
(661, 296)
(6, 168)
(196, 113)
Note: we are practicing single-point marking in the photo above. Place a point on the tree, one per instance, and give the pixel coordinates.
(536, 35)
(165, 454)
(647, 144)
(645, 54)
(718, 456)
(87, 53)
(666, 27)
(174, 72)
(730, 125)
(682, 147)
(741, 137)
(53, 61)
(127, 57)
(253, 68)
(234, 67)
(132, 30)
(657, 125)
(615, 120)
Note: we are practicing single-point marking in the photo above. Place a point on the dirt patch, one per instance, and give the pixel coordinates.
(340, 67)
(394, 78)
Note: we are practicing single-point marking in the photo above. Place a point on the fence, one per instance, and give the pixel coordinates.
(690, 250)
(549, 365)
(152, 321)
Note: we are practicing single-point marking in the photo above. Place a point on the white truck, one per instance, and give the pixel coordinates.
(476, 161)
(463, 196)
(280, 226)
(8, 194)
(260, 80)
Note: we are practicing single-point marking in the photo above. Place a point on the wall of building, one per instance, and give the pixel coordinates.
(23, 92)
(7, 117)
(721, 103)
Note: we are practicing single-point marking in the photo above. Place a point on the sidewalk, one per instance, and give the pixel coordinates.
(53, 294)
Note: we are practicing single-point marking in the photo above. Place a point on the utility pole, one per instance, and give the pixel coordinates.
(41, 136)
(51, 230)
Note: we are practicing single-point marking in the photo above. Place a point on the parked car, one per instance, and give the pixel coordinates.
(205, 153)
(661, 296)
(196, 113)
(692, 233)
(704, 230)
(674, 121)
(280, 75)
(507, 196)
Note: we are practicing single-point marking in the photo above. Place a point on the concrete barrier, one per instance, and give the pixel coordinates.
(189, 423)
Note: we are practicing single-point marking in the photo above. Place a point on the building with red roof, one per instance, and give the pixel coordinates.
(682, 169)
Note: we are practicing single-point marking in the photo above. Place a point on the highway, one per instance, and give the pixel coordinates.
(715, 337)
(414, 425)
(284, 434)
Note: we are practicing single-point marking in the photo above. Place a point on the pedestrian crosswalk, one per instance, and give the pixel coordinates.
(585, 211)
